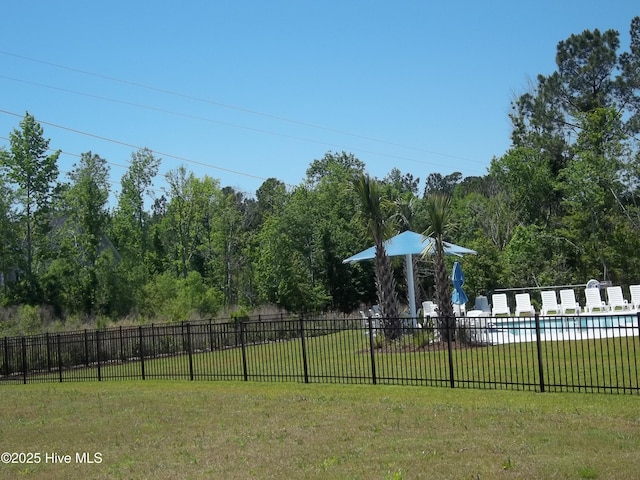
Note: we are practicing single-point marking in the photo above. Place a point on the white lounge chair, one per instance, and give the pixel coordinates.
(615, 301)
(568, 304)
(523, 305)
(594, 303)
(634, 290)
(500, 307)
(549, 303)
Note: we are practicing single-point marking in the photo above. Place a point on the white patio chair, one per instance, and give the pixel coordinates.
(594, 303)
(634, 290)
(568, 304)
(481, 308)
(500, 307)
(459, 310)
(549, 303)
(364, 319)
(523, 305)
(615, 301)
(429, 309)
(482, 304)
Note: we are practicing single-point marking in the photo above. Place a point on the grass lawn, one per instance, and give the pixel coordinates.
(233, 430)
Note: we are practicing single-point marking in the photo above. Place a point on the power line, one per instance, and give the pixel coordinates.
(136, 147)
(237, 108)
(118, 184)
(219, 122)
(77, 155)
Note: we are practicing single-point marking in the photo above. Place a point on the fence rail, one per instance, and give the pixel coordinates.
(565, 354)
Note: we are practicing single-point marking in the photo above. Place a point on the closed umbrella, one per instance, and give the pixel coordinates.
(457, 277)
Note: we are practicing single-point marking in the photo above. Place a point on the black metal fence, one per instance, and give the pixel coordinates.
(537, 353)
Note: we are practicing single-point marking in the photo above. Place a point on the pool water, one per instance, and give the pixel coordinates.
(558, 328)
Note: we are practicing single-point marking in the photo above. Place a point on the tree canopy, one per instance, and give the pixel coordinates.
(560, 206)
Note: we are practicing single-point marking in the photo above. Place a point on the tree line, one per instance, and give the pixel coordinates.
(559, 207)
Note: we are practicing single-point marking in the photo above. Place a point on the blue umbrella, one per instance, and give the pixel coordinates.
(457, 277)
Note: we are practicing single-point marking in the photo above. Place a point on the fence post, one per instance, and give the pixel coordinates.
(447, 323)
(59, 357)
(539, 348)
(153, 340)
(141, 348)
(24, 360)
(121, 344)
(190, 350)
(98, 355)
(244, 352)
(373, 356)
(6, 357)
(48, 353)
(304, 350)
(86, 348)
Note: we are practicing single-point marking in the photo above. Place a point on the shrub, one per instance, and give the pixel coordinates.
(422, 338)
(29, 321)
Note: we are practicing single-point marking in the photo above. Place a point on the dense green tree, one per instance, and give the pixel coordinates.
(400, 184)
(329, 206)
(334, 164)
(444, 185)
(535, 257)
(193, 204)
(131, 220)
(85, 224)
(8, 238)
(282, 271)
(272, 197)
(629, 80)
(34, 174)
(131, 226)
(591, 185)
(527, 181)
(229, 241)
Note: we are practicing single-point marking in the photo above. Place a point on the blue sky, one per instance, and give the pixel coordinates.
(246, 90)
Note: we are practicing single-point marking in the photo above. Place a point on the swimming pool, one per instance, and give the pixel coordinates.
(512, 329)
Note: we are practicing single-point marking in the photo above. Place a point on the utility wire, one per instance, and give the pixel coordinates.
(136, 147)
(231, 107)
(219, 122)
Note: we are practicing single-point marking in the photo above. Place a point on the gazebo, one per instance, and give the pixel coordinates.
(407, 244)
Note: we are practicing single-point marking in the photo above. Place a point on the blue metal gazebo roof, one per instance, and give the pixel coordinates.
(409, 243)
(406, 244)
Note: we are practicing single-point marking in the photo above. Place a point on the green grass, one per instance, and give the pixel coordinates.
(235, 430)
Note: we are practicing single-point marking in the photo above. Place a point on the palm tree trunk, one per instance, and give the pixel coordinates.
(386, 292)
(443, 297)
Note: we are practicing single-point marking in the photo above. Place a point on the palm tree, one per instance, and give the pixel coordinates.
(378, 225)
(439, 215)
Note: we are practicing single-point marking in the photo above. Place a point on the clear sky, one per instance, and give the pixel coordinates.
(244, 90)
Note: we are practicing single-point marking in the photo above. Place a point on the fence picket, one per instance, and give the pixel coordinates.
(311, 349)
